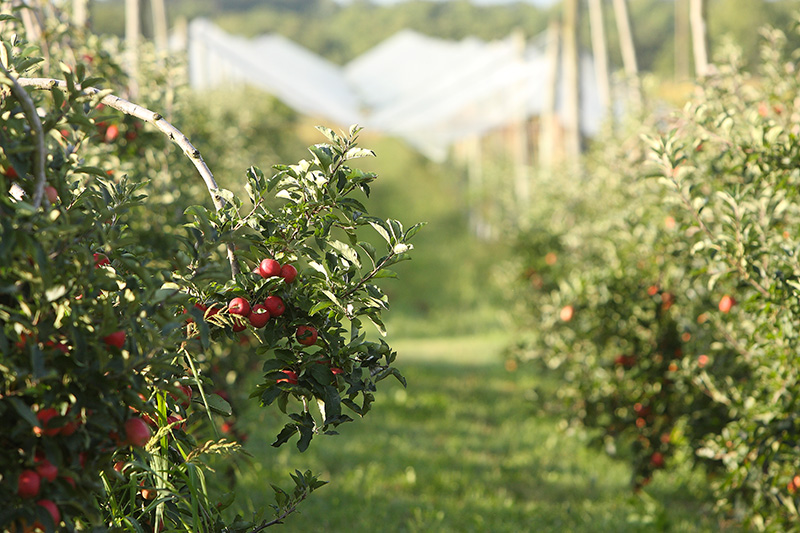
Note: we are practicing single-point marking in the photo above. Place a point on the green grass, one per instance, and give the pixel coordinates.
(464, 448)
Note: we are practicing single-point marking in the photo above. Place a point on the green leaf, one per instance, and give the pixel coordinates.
(24, 411)
(319, 306)
(285, 434)
(218, 405)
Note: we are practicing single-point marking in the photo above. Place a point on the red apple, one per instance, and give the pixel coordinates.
(239, 306)
(306, 335)
(111, 133)
(44, 416)
(173, 419)
(51, 194)
(566, 313)
(187, 395)
(275, 305)
(269, 268)
(136, 432)
(657, 460)
(100, 260)
(52, 509)
(726, 303)
(288, 273)
(47, 470)
(239, 326)
(336, 370)
(28, 484)
(11, 174)
(291, 377)
(116, 339)
(119, 466)
(259, 316)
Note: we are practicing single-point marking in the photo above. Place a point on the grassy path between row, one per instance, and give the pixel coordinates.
(464, 449)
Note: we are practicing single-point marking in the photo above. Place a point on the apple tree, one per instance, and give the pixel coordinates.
(109, 334)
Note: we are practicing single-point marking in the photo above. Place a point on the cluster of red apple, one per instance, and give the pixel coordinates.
(258, 315)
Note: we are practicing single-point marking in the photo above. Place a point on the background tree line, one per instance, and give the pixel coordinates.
(341, 33)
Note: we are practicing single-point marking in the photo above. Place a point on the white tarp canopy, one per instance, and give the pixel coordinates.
(431, 92)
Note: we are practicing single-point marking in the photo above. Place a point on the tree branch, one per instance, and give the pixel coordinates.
(29, 108)
(174, 134)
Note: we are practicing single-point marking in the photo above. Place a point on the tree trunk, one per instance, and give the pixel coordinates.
(600, 52)
(699, 46)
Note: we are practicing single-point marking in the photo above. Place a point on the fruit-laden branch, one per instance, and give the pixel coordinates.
(35, 122)
(174, 134)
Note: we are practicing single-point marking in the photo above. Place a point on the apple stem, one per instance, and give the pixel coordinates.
(174, 134)
(29, 108)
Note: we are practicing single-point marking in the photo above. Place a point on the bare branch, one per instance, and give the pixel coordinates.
(174, 134)
(29, 108)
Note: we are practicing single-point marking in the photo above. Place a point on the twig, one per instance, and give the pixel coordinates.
(29, 108)
(174, 134)
(279, 520)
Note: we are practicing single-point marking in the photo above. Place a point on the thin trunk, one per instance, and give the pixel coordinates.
(132, 29)
(547, 126)
(571, 88)
(699, 46)
(600, 52)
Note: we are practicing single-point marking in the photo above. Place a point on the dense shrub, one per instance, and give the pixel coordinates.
(669, 303)
(118, 307)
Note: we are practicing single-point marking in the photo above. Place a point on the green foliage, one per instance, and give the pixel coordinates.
(637, 317)
(114, 315)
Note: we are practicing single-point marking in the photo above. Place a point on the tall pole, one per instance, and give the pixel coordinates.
(547, 125)
(681, 40)
(571, 92)
(600, 52)
(699, 45)
(132, 28)
(627, 49)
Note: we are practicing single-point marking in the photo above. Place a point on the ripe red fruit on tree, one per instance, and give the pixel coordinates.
(11, 174)
(52, 508)
(239, 306)
(269, 268)
(726, 303)
(566, 313)
(119, 466)
(111, 133)
(657, 460)
(306, 335)
(28, 484)
(100, 260)
(47, 470)
(275, 305)
(51, 193)
(336, 370)
(116, 339)
(291, 377)
(136, 432)
(288, 273)
(187, 395)
(44, 417)
(259, 316)
(172, 419)
(239, 325)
